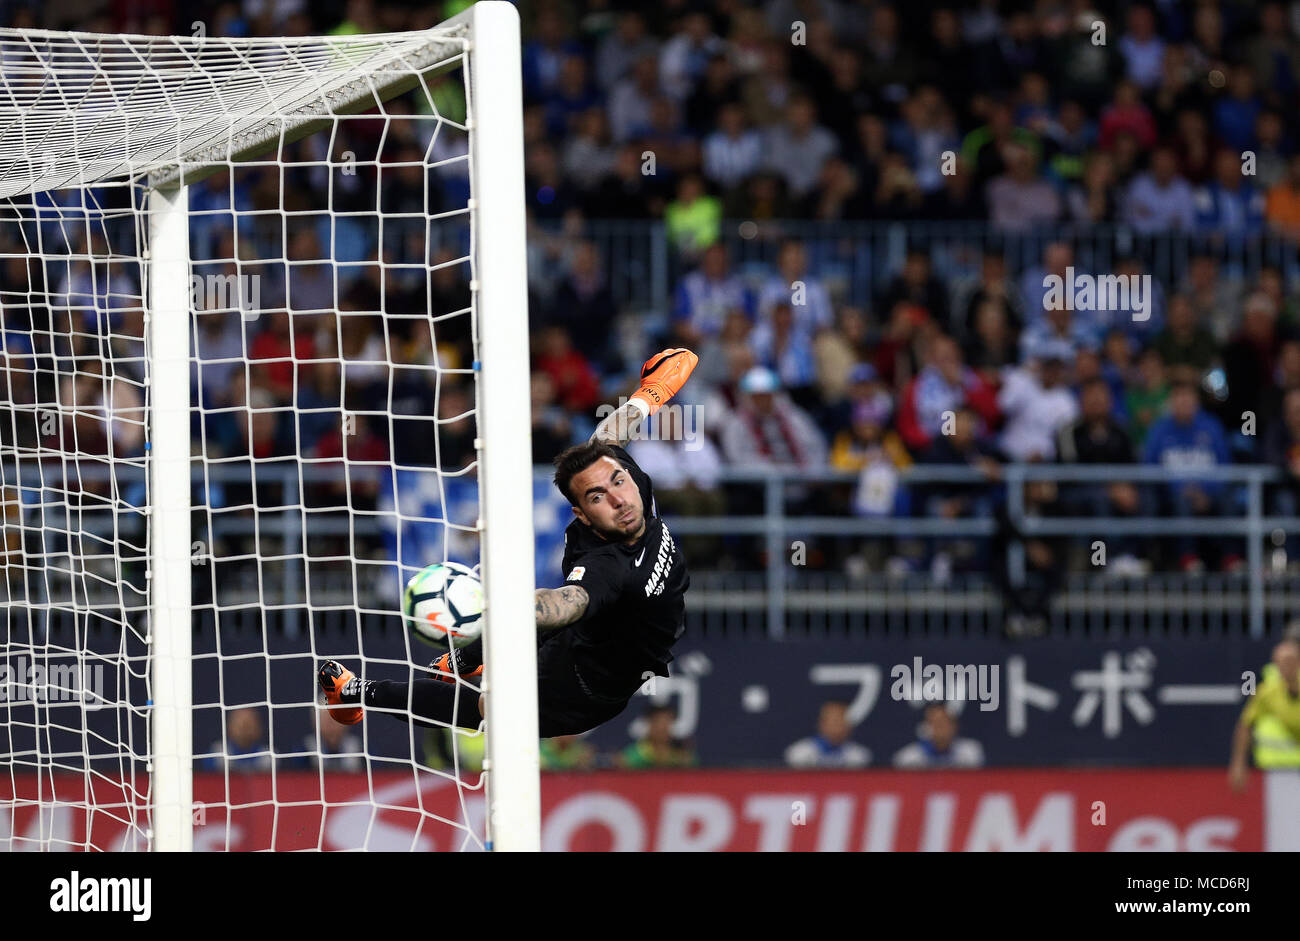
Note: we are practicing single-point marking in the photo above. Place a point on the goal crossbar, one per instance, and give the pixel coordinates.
(80, 108)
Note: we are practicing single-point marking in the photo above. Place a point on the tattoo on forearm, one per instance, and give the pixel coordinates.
(560, 606)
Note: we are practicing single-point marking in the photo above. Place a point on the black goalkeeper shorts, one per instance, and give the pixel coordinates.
(565, 704)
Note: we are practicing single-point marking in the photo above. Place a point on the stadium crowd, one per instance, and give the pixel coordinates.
(1167, 121)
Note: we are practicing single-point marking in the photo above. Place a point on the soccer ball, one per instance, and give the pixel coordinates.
(443, 604)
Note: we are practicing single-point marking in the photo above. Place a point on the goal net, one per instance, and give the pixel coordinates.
(264, 341)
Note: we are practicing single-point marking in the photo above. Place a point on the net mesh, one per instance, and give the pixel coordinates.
(333, 428)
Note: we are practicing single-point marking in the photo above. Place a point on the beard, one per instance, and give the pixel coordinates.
(633, 529)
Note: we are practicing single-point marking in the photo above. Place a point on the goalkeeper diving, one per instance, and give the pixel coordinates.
(613, 623)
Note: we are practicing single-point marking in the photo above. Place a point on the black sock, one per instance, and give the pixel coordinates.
(470, 657)
(429, 702)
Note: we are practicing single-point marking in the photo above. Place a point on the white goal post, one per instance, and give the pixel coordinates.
(156, 117)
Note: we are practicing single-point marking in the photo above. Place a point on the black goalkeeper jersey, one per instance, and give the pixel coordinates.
(637, 603)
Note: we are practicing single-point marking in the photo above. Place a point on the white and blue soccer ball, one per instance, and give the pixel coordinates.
(443, 605)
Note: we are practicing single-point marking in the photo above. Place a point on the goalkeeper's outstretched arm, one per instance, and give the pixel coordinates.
(560, 607)
(662, 377)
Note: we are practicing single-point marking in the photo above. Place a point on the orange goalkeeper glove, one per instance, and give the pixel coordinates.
(663, 376)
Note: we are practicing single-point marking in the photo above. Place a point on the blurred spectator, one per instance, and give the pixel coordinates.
(839, 194)
(1271, 719)
(453, 443)
(622, 47)
(1273, 283)
(629, 193)
(1282, 449)
(1069, 140)
(992, 342)
(1230, 204)
(1273, 53)
(1282, 206)
(707, 295)
(1061, 329)
(219, 353)
(792, 284)
(550, 197)
(1146, 397)
(768, 430)
(571, 97)
(457, 749)
(583, 305)
(1036, 402)
(831, 747)
(937, 745)
(1094, 200)
(576, 386)
(1019, 200)
(1212, 296)
(1127, 115)
(904, 343)
(798, 148)
(966, 446)
(1142, 48)
(1159, 200)
(1236, 112)
(1058, 262)
(566, 753)
(589, 155)
(693, 219)
(985, 148)
(545, 53)
(943, 386)
(657, 748)
(552, 429)
(686, 467)
(1142, 314)
(254, 426)
(275, 353)
(786, 348)
(1096, 437)
(335, 747)
(1187, 347)
(1188, 438)
(1272, 149)
(732, 151)
(244, 748)
(838, 351)
(671, 148)
(925, 128)
(993, 287)
(631, 100)
(1250, 361)
(684, 58)
(898, 192)
(718, 87)
(917, 285)
(868, 446)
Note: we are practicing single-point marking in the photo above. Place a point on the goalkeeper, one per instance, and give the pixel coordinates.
(609, 628)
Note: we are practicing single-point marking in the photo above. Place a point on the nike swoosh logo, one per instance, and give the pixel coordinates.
(639, 558)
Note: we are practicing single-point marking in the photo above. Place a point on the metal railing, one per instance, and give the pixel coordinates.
(780, 597)
(858, 260)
